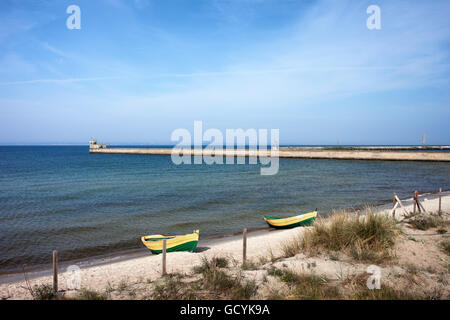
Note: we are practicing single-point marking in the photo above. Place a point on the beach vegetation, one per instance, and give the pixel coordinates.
(275, 294)
(43, 292)
(219, 281)
(249, 265)
(314, 287)
(426, 221)
(215, 262)
(305, 286)
(385, 293)
(245, 290)
(122, 286)
(445, 245)
(368, 237)
(292, 247)
(172, 288)
(86, 294)
(214, 282)
(275, 272)
(355, 288)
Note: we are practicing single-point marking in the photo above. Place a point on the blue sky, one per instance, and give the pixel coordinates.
(139, 69)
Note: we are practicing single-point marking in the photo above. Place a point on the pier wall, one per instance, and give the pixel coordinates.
(307, 153)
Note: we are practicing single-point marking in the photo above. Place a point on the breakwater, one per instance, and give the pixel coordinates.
(394, 153)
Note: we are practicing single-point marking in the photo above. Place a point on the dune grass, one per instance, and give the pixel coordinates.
(213, 282)
(213, 263)
(367, 237)
(305, 286)
(385, 293)
(172, 288)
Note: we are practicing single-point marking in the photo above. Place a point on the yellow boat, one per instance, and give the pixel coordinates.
(188, 242)
(305, 219)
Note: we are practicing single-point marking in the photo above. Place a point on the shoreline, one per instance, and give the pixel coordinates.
(42, 270)
(112, 257)
(142, 265)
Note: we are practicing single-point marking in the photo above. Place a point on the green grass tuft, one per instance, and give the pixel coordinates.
(206, 265)
(366, 238)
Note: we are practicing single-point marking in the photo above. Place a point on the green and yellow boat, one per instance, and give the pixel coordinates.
(188, 242)
(302, 220)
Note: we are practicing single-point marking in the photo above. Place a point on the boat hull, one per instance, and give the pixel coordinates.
(187, 242)
(302, 220)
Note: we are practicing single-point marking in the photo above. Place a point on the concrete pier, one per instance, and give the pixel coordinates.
(397, 153)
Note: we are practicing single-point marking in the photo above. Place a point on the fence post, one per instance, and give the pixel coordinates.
(244, 253)
(394, 204)
(164, 249)
(55, 271)
(416, 200)
(440, 195)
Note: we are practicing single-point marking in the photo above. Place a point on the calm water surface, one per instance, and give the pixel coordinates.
(85, 204)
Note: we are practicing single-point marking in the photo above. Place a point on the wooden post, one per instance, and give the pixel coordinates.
(419, 205)
(416, 200)
(244, 253)
(401, 205)
(440, 195)
(395, 204)
(164, 256)
(55, 271)
(393, 210)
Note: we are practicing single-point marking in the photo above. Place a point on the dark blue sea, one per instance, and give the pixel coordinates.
(84, 205)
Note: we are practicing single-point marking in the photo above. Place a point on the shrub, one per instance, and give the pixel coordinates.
(425, 222)
(43, 292)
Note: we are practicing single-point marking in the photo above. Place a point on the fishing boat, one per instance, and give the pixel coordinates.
(188, 242)
(301, 220)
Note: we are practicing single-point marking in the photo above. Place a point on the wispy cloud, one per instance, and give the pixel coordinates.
(54, 50)
(68, 80)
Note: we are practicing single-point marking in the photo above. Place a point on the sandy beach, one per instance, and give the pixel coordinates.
(263, 245)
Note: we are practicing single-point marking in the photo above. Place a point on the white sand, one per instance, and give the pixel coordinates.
(260, 244)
